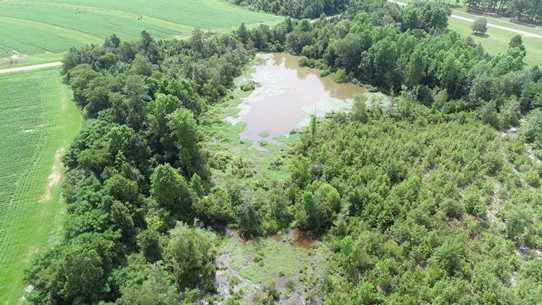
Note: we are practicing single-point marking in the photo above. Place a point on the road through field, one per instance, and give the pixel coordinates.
(33, 67)
(491, 25)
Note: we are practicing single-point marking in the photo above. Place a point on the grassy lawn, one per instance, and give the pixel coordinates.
(497, 41)
(37, 122)
(35, 27)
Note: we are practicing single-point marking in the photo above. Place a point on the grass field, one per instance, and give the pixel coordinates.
(37, 122)
(33, 27)
(496, 41)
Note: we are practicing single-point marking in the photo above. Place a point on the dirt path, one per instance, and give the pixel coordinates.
(491, 25)
(54, 177)
(34, 67)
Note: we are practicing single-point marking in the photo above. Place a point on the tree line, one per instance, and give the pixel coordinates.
(136, 170)
(294, 8)
(522, 10)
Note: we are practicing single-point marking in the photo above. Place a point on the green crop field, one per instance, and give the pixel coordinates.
(34, 27)
(37, 121)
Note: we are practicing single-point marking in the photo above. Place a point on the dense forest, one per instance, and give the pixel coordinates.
(424, 202)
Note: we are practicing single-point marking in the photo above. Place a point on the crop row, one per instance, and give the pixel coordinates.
(30, 40)
(25, 133)
(54, 26)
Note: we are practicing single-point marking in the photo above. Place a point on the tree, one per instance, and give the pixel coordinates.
(171, 192)
(449, 256)
(132, 109)
(215, 208)
(479, 26)
(385, 60)
(243, 33)
(188, 252)
(83, 274)
(359, 109)
(149, 243)
(415, 69)
(246, 211)
(452, 75)
(517, 219)
(517, 42)
(156, 289)
(186, 135)
(319, 206)
(531, 127)
(519, 7)
(79, 78)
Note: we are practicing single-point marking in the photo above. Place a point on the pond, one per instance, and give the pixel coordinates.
(287, 96)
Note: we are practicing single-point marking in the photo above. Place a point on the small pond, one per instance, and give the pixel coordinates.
(287, 96)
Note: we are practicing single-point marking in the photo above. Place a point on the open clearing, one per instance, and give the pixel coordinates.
(36, 27)
(37, 122)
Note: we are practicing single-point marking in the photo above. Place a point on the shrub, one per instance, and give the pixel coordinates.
(341, 76)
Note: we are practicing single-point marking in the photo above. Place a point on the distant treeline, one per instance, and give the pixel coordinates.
(296, 8)
(523, 10)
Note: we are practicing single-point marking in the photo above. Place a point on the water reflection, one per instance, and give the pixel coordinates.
(288, 96)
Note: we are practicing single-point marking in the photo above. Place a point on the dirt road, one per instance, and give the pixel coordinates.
(28, 68)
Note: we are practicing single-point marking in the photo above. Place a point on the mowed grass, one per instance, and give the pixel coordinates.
(33, 27)
(37, 122)
(496, 41)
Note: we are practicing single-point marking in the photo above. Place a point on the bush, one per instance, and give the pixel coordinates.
(479, 26)
(250, 86)
(532, 179)
(341, 76)
(325, 73)
(304, 61)
(531, 127)
(242, 168)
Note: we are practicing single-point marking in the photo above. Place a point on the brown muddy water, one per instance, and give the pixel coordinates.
(287, 97)
(296, 238)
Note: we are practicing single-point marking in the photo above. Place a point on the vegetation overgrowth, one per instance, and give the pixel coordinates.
(34, 27)
(37, 122)
(425, 201)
